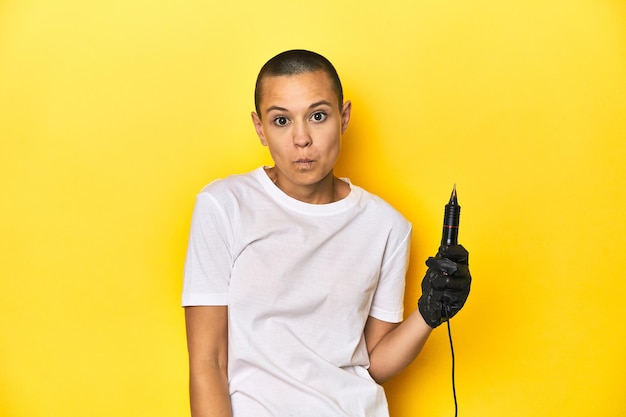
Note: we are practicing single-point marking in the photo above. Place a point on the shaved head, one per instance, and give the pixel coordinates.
(297, 61)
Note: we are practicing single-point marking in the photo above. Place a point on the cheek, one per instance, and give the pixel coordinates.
(332, 141)
(278, 146)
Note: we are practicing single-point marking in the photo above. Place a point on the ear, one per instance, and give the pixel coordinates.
(258, 126)
(345, 115)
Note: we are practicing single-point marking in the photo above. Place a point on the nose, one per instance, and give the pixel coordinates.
(301, 135)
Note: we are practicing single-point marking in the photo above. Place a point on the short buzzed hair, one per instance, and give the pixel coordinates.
(297, 61)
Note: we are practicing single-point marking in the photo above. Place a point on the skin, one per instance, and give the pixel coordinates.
(302, 125)
(207, 344)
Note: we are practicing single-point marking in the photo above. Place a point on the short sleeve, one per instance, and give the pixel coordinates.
(209, 259)
(388, 301)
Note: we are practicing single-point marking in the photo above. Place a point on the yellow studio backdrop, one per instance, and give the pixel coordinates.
(113, 115)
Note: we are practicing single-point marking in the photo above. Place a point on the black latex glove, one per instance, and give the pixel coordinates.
(446, 285)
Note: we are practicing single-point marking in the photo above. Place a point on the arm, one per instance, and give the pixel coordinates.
(393, 346)
(207, 343)
(445, 289)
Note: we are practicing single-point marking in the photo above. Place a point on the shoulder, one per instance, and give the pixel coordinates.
(236, 186)
(229, 194)
(231, 183)
(381, 209)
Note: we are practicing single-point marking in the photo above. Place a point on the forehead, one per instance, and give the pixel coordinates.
(311, 87)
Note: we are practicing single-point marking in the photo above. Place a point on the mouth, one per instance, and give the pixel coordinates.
(304, 163)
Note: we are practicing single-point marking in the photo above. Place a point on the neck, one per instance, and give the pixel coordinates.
(327, 191)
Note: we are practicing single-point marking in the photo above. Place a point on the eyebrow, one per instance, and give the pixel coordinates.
(312, 106)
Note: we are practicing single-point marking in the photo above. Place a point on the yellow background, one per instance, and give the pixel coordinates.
(113, 115)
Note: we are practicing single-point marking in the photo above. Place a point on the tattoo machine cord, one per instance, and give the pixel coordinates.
(456, 405)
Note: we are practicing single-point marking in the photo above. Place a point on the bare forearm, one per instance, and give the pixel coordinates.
(397, 349)
(207, 341)
(208, 391)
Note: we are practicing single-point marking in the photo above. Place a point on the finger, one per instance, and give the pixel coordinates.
(441, 282)
(442, 264)
(456, 253)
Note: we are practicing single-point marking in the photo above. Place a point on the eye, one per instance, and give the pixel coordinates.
(281, 121)
(319, 116)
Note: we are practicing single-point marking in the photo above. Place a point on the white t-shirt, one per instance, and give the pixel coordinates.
(300, 281)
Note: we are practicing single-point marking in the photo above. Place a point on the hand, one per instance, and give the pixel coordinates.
(446, 285)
